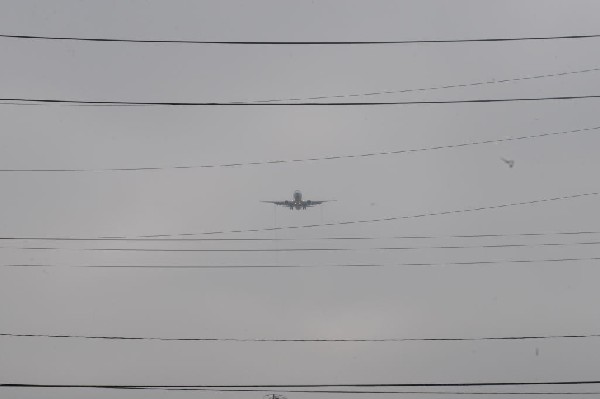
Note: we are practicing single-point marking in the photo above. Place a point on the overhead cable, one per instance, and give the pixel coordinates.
(444, 87)
(319, 391)
(307, 266)
(332, 391)
(442, 339)
(334, 238)
(379, 220)
(290, 43)
(314, 159)
(400, 91)
(288, 104)
(324, 385)
(333, 249)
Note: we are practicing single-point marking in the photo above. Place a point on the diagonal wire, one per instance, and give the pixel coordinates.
(379, 220)
(364, 221)
(337, 238)
(315, 159)
(432, 88)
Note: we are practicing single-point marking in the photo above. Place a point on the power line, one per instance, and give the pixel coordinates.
(398, 91)
(338, 238)
(330, 249)
(289, 104)
(379, 220)
(346, 265)
(289, 43)
(444, 87)
(317, 159)
(341, 340)
(493, 235)
(376, 392)
(351, 385)
(321, 391)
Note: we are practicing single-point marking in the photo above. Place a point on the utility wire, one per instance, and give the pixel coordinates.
(405, 248)
(379, 220)
(329, 391)
(399, 91)
(347, 265)
(288, 104)
(351, 385)
(452, 86)
(121, 338)
(340, 238)
(377, 392)
(289, 43)
(317, 159)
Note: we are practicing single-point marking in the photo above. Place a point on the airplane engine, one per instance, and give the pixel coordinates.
(309, 202)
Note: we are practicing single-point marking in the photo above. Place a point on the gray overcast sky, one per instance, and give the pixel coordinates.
(454, 301)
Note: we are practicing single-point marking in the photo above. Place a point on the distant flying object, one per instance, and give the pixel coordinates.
(509, 162)
(297, 202)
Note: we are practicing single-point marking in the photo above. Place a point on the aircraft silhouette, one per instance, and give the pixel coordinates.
(297, 202)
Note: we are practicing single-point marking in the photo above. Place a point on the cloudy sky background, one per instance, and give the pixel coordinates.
(388, 302)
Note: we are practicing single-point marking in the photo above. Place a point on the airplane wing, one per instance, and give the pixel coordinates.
(313, 203)
(282, 203)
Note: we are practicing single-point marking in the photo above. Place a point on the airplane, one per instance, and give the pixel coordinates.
(297, 202)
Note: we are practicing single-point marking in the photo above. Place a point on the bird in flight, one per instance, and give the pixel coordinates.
(297, 202)
(509, 162)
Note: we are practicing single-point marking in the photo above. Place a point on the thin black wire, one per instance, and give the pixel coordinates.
(487, 246)
(274, 104)
(377, 392)
(181, 250)
(453, 86)
(316, 159)
(341, 340)
(379, 220)
(348, 265)
(397, 91)
(288, 43)
(357, 238)
(351, 385)
(317, 391)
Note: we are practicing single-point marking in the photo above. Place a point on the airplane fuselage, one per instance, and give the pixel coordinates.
(297, 202)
